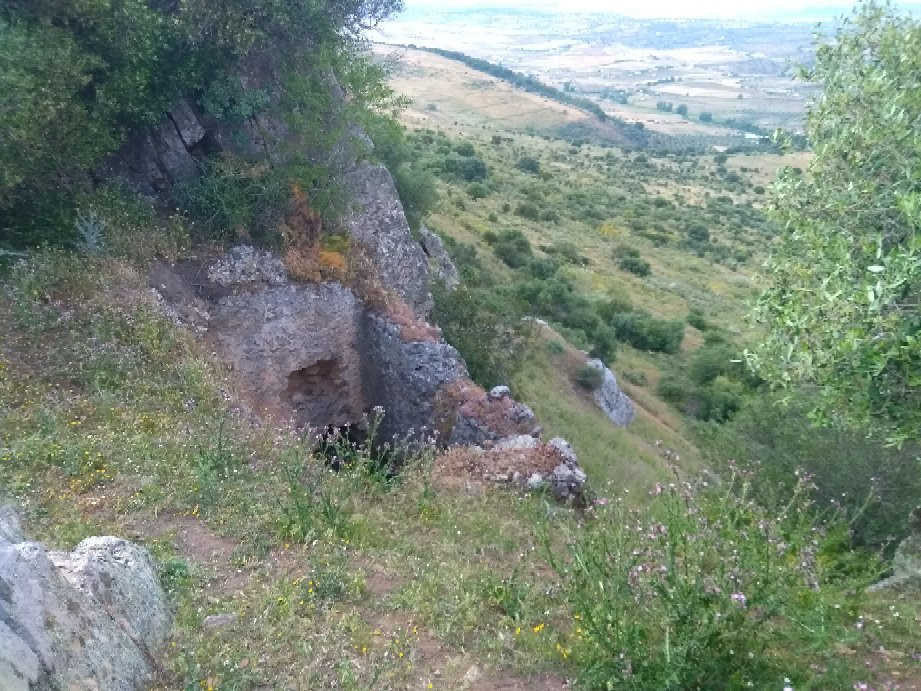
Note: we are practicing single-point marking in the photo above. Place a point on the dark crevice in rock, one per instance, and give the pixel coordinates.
(315, 393)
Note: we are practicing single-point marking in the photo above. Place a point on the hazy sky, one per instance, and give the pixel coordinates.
(660, 8)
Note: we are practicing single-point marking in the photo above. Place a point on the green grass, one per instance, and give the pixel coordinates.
(624, 457)
(113, 421)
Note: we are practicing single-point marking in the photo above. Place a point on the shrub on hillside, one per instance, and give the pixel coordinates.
(528, 210)
(465, 168)
(635, 265)
(555, 299)
(879, 486)
(645, 332)
(697, 319)
(416, 191)
(549, 216)
(589, 378)
(464, 149)
(512, 247)
(528, 164)
(714, 382)
(729, 594)
(567, 252)
(477, 190)
(486, 328)
(716, 401)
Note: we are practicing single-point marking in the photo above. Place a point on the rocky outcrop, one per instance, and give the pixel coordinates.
(377, 222)
(88, 619)
(476, 416)
(440, 261)
(316, 354)
(405, 378)
(157, 158)
(614, 402)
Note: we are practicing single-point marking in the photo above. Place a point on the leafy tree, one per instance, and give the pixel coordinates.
(78, 78)
(845, 281)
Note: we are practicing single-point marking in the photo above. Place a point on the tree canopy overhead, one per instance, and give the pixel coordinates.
(842, 308)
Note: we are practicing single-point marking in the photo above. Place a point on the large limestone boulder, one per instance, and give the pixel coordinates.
(88, 619)
(614, 402)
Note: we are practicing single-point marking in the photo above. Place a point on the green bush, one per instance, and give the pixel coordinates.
(228, 195)
(465, 168)
(549, 216)
(708, 590)
(464, 149)
(78, 78)
(486, 328)
(645, 332)
(512, 247)
(554, 298)
(416, 190)
(696, 319)
(635, 265)
(877, 485)
(589, 378)
(566, 251)
(477, 190)
(713, 384)
(528, 164)
(528, 210)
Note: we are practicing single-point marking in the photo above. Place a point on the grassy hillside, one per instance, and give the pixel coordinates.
(671, 573)
(115, 421)
(540, 213)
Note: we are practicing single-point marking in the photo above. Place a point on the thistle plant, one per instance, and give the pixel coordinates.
(91, 230)
(705, 589)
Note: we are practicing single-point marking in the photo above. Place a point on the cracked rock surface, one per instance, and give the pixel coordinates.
(88, 619)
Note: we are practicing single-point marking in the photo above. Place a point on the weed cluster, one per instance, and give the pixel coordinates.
(706, 589)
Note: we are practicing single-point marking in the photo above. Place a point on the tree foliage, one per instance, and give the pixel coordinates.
(78, 77)
(845, 281)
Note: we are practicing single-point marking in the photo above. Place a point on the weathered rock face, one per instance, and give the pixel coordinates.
(376, 221)
(315, 353)
(614, 402)
(157, 158)
(90, 619)
(295, 347)
(405, 378)
(440, 261)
